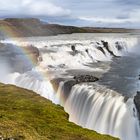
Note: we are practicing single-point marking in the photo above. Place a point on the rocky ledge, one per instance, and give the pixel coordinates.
(85, 78)
(137, 102)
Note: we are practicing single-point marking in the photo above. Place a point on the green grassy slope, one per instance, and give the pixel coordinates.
(26, 115)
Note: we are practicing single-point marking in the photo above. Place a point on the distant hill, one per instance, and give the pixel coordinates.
(27, 27)
(109, 30)
(24, 115)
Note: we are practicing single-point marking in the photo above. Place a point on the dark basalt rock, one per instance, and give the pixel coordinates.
(139, 76)
(73, 48)
(137, 102)
(106, 45)
(97, 43)
(74, 51)
(86, 50)
(118, 46)
(67, 88)
(101, 49)
(55, 83)
(85, 78)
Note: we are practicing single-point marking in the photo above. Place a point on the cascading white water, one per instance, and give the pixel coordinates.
(103, 110)
(34, 81)
(56, 53)
(93, 107)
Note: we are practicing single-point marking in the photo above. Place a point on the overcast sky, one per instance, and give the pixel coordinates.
(105, 13)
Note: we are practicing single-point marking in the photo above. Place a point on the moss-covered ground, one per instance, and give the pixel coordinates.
(26, 115)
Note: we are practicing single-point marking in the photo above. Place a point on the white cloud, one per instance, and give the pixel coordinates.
(31, 8)
(76, 12)
(131, 19)
(135, 14)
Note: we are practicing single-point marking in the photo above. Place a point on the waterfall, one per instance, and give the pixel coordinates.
(34, 81)
(101, 109)
(91, 106)
(54, 51)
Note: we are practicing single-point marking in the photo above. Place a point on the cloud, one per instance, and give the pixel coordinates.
(131, 19)
(135, 15)
(32, 8)
(129, 2)
(76, 12)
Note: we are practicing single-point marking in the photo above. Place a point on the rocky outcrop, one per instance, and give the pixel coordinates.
(33, 52)
(85, 78)
(55, 83)
(69, 83)
(118, 46)
(137, 102)
(101, 49)
(74, 51)
(106, 45)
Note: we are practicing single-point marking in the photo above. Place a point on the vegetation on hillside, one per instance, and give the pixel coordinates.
(24, 115)
(28, 27)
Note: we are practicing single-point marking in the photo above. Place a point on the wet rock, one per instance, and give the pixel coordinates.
(33, 52)
(61, 65)
(86, 50)
(67, 88)
(139, 76)
(101, 49)
(137, 102)
(118, 46)
(74, 50)
(55, 83)
(97, 43)
(106, 45)
(85, 78)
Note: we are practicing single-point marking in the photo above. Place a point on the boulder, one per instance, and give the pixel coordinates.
(74, 51)
(118, 46)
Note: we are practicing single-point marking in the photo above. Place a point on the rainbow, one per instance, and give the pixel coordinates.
(11, 34)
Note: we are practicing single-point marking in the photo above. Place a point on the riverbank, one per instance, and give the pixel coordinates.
(24, 115)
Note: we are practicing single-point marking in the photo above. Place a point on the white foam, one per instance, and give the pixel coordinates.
(56, 52)
(103, 110)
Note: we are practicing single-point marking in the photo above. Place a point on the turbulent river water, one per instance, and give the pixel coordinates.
(106, 106)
